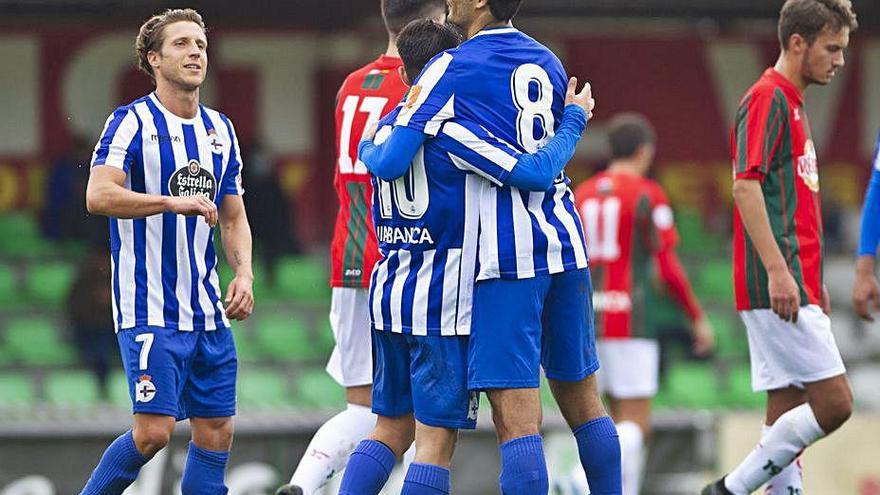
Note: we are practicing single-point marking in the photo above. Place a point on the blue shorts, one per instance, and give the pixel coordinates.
(519, 326)
(425, 376)
(180, 374)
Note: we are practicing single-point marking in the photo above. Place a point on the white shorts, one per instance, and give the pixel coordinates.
(351, 363)
(629, 368)
(785, 354)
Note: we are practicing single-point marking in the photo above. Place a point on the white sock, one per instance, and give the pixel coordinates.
(331, 446)
(793, 432)
(790, 480)
(395, 480)
(632, 445)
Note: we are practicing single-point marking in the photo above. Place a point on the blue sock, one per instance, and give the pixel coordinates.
(368, 469)
(118, 469)
(523, 467)
(204, 472)
(426, 479)
(599, 449)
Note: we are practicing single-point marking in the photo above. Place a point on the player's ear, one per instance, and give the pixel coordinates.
(403, 76)
(153, 59)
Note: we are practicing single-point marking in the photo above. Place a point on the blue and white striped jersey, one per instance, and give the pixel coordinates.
(164, 266)
(427, 224)
(515, 88)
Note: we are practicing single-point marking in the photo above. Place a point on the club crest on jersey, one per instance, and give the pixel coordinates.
(808, 166)
(192, 180)
(216, 144)
(412, 97)
(144, 390)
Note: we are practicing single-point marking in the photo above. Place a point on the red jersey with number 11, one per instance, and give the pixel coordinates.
(366, 96)
(630, 232)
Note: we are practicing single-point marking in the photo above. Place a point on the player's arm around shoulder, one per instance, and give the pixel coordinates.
(237, 244)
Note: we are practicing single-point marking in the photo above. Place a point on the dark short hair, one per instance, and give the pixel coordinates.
(150, 36)
(504, 10)
(399, 13)
(809, 17)
(423, 39)
(627, 132)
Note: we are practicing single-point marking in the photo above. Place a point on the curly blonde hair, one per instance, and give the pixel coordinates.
(809, 17)
(150, 37)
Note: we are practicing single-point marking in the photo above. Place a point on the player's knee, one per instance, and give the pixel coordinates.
(511, 425)
(213, 433)
(151, 439)
(833, 414)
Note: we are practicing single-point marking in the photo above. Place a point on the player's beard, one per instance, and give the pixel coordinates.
(808, 72)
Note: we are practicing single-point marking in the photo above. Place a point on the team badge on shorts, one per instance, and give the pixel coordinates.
(474, 406)
(144, 390)
(192, 180)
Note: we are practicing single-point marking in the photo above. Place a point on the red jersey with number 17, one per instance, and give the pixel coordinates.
(772, 144)
(630, 232)
(366, 96)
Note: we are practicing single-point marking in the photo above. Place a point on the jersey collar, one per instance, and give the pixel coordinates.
(787, 86)
(497, 30)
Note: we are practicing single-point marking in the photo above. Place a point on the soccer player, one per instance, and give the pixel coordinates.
(531, 299)
(366, 95)
(778, 250)
(629, 227)
(866, 292)
(162, 162)
(427, 221)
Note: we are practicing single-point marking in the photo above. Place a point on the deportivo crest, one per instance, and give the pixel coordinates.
(808, 166)
(474, 406)
(144, 390)
(216, 144)
(192, 180)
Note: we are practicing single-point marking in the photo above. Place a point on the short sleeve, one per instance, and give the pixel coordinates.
(119, 143)
(759, 125)
(475, 149)
(431, 100)
(232, 177)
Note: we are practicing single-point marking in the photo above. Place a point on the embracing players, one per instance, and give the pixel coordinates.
(427, 217)
(531, 303)
(630, 230)
(366, 95)
(778, 251)
(162, 162)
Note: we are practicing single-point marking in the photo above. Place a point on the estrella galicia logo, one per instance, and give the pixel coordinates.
(192, 180)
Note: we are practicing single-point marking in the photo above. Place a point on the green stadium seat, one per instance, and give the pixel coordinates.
(285, 338)
(20, 236)
(739, 388)
(689, 223)
(71, 388)
(117, 389)
(246, 347)
(303, 279)
(9, 295)
(262, 388)
(49, 283)
(691, 385)
(35, 341)
(16, 389)
(730, 337)
(317, 389)
(715, 281)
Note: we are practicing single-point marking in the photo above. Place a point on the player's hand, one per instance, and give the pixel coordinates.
(370, 133)
(704, 337)
(584, 99)
(240, 298)
(195, 205)
(785, 295)
(866, 293)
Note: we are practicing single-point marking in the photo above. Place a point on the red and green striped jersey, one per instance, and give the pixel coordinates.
(630, 233)
(366, 96)
(772, 143)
